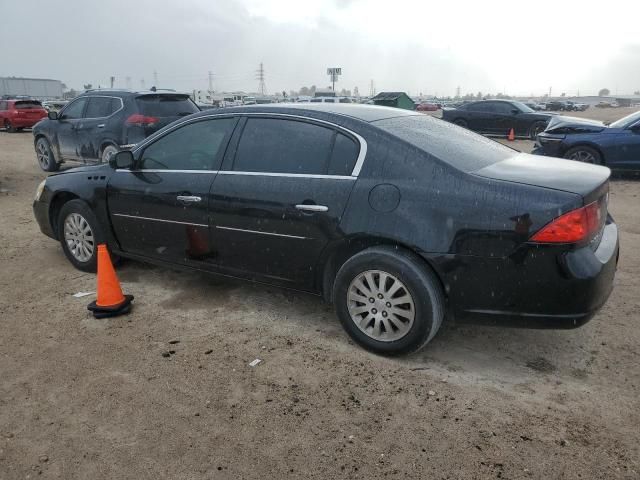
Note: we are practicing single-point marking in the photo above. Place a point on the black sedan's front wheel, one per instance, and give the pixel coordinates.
(536, 128)
(388, 301)
(79, 234)
(584, 154)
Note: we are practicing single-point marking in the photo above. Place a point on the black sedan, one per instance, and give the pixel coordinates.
(397, 218)
(616, 145)
(498, 117)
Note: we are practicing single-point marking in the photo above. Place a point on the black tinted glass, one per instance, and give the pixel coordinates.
(74, 109)
(197, 146)
(461, 148)
(344, 156)
(283, 146)
(480, 107)
(166, 105)
(28, 104)
(504, 108)
(99, 107)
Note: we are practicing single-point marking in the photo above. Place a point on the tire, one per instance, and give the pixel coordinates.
(45, 156)
(536, 128)
(418, 296)
(461, 123)
(108, 152)
(9, 127)
(584, 154)
(81, 248)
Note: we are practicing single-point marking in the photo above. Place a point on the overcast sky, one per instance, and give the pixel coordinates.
(418, 46)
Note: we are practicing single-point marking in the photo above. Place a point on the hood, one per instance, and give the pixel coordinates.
(93, 169)
(562, 124)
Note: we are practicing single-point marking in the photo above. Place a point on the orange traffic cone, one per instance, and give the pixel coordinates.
(512, 135)
(110, 302)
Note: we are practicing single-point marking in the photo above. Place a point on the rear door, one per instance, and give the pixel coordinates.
(280, 198)
(481, 117)
(66, 130)
(160, 208)
(92, 130)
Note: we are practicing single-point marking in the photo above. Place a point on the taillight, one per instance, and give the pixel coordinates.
(141, 120)
(573, 227)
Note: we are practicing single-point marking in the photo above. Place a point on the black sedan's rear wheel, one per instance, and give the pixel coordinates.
(584, 154)
(79, 234)
(536, 128)
(388, 301)
(461, 122)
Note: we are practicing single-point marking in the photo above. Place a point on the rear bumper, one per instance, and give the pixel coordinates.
(538, 286)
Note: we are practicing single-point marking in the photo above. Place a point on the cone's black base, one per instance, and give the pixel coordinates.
(113, 311)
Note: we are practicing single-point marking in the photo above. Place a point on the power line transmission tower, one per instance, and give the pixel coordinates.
(128, 82)
(210, 82)
(142, 86)
(262, 88)
(372, 89)
(155, 78)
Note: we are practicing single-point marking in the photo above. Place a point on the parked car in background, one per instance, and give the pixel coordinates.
(498, 117)
(18, 114)
(580, 107)
(99, 123)
(54, 105)
(330, 100)
(616, 145)
(535, 106)
(427, 107)
(331, 199)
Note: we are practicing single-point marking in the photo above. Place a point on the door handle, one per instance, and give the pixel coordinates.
(188, 198)
(312, 208)
(101, 125)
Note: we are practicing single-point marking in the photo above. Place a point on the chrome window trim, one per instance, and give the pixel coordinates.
(260, 232)
(160, 220)
(89, 97)
(229, 172)
(354, 173)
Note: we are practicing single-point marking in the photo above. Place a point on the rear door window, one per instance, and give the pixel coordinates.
(100, 107)
(481, 107)
(3, 105)
(26, 104)
(344, 156)
(166, 105)
(196, 146)
(503, 108)
(283, 146)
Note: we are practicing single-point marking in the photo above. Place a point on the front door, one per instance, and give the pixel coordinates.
(280, 200)
(159, 209)
(66, 131)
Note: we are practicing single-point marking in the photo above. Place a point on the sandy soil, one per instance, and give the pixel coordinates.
(96, 399)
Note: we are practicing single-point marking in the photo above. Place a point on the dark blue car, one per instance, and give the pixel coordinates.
(616, 145)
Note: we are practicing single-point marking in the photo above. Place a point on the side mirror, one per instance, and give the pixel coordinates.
(52, 115)
(123, 159)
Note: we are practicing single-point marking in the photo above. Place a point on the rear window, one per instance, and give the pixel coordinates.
(28, 104)
(166, 105)
(460, 148)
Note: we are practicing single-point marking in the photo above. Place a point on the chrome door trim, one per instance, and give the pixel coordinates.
(161, 170)
(292, 175)
(312, 208)
(354, 173)
(259, 232)
(159, 220)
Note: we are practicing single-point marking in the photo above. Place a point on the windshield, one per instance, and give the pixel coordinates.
(28, 104)
(166, 105)
(523, 108)
(627, 121)
(461, 148)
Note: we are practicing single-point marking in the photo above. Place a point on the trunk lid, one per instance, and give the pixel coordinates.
(589, 181)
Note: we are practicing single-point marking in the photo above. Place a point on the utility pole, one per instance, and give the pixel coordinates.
(112, 81)
(155, 78)
(128, 82)
(210, 82)
(260, 77)
(372, 89)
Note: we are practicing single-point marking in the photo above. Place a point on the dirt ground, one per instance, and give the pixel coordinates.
(82, 398)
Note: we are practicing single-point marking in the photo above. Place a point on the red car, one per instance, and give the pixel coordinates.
(18, 114)
(427, 107)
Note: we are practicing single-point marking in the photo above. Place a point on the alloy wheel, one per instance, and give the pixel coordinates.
(42, 153)
(381, 305)
(582, 156)
(79, 237)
